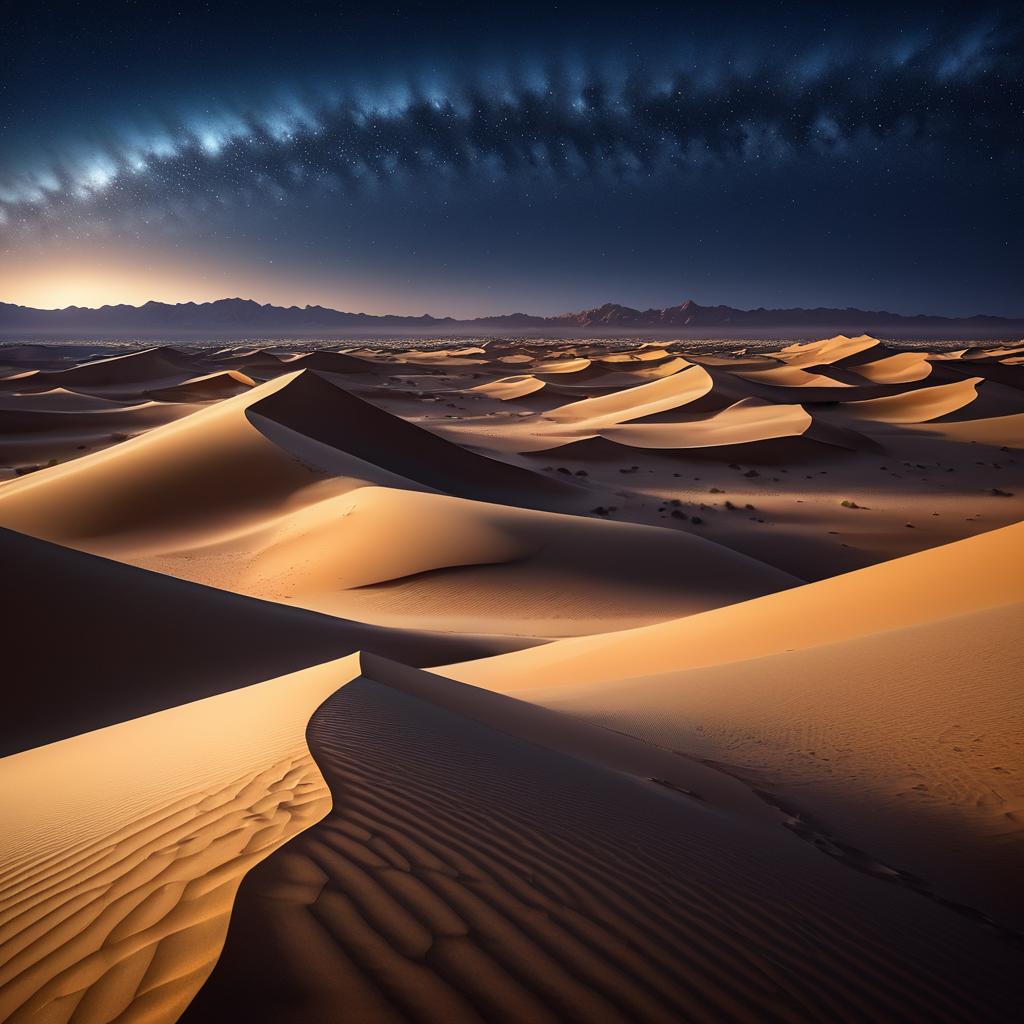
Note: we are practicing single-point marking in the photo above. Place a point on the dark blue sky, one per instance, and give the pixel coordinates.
(429, 158)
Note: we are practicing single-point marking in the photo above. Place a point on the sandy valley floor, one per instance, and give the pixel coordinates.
(512, 681)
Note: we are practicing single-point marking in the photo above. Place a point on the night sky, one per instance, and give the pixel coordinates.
(542, 158)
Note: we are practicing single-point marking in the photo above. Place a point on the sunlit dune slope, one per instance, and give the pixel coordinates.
(414, 559)
(122, 849)
(969, 575)
(883, 703)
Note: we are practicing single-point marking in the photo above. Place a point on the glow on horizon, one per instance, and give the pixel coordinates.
(94, 278)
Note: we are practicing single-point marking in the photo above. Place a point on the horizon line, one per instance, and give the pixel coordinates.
(518, 312)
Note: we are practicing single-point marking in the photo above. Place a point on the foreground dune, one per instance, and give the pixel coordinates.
(487, 875)
(904, 744)
(122, 849)
(883, 704)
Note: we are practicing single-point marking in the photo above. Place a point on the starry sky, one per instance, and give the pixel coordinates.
(468, 159)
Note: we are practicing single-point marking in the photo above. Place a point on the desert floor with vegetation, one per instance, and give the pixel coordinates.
(515, 681)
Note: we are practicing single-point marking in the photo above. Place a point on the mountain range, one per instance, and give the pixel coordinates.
(244, 317)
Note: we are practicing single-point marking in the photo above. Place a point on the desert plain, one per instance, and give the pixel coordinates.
(515, 681)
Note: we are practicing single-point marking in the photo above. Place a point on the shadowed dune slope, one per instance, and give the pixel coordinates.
(92, 642)
(317, 409)
(331, 362)
(86, 422)
(61, 400)
(468, 874)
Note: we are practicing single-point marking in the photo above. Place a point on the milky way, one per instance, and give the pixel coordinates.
(621, 121)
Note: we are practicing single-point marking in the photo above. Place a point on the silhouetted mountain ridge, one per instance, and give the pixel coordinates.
(245, 316)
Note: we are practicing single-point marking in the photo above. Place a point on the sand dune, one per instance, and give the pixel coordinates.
(117, 371)
(827, 392)
(791, 377)
(956, 579)
(899, 368)
(208, 473)
(429, 561)
(599, 376)
(883, 703)
(64, 419)
(676, 783)
(123, 848)
(133, 642)
(997, 431)
(746, 428)
(904, 743)
(312, 407)
(206, 387)
(486, 875)
(47, 427)
(582, 429)
(916, 406)
(35, 356)
(288, 443)
(638, 355)
(509, 388)
(556, 366)
(679, 389)
(60, 399)
(840, 350)
(256, 362)
(330, 362)
(745, 422)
